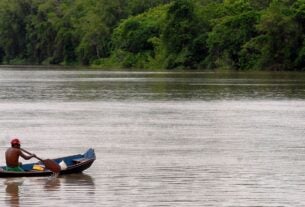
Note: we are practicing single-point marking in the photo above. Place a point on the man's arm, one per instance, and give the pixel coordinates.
(26, 157)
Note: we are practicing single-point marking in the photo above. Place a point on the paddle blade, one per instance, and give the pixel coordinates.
(51, 165)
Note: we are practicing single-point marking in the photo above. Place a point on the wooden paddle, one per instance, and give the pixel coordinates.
(49, 164)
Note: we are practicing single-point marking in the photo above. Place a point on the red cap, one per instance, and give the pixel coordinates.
(15, 141)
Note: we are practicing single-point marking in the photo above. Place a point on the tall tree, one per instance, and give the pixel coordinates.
(181, 29)
(13, 15)
(224, 47)
(279, 34)
(299, 17)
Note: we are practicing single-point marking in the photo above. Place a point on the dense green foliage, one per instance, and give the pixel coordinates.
(155, 34)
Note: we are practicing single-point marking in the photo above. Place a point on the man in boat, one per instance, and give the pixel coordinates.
(12, 155)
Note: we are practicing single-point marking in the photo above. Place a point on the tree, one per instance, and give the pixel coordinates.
(40, 33)
(96, 27)
(298, 9)
(136, 7)
(13, 27)
(181, 29)
(134, 37)
(230, 33)
(277, 41)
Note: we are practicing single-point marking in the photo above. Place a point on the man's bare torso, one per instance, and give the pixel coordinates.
(12, 157)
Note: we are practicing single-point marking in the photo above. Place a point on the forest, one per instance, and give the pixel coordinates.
(155, 34)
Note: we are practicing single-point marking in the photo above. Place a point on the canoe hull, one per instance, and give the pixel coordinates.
(75, 164)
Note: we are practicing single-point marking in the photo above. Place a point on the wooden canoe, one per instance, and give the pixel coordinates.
(74, 164)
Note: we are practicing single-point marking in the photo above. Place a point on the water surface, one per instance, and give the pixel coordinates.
(161, 139)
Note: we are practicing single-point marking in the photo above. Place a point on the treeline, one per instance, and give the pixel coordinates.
(155, 34)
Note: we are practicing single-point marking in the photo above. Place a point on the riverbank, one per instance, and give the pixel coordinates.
(155, 35)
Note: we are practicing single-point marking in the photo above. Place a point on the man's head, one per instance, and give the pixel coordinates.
(15, 143)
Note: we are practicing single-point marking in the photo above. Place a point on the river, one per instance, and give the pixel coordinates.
(181, 139)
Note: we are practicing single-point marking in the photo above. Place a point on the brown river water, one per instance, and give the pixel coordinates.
(161, 139)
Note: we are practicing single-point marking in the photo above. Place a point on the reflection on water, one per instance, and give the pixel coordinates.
(162, 139)
(81, 178)
(21, 191)
(12, 190)
(52, 184)
(25, 85)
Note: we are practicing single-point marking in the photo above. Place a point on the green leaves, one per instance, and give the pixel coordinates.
(278, 36)
(172, 34)
(181, 31)
(228, 37)
(134, 37)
